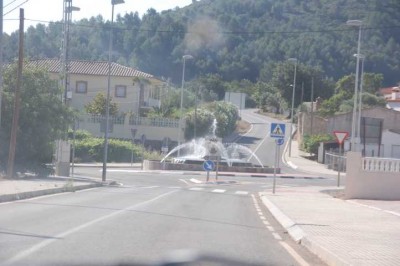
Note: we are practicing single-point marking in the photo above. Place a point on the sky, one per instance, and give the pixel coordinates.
(52, 10)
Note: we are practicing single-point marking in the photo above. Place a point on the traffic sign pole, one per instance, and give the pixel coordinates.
(339, 165)
(276, 156)
(340, 137)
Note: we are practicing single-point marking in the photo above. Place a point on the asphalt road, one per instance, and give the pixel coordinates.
(151, 215)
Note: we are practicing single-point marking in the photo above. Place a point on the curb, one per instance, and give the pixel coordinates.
(43, 192)
(299, 236)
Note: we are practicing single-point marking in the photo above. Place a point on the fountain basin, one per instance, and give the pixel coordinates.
(198, 166)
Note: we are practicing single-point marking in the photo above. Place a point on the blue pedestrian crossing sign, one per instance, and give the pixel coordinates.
(208, 165)
(277, 130)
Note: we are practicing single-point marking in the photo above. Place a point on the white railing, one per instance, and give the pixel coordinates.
(372, 164)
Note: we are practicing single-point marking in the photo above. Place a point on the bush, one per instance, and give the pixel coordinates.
(92, 149)
(311, 142)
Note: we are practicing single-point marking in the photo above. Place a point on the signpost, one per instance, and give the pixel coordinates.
(133, 134)
(208, 166)
(277, 131)
(340, 137)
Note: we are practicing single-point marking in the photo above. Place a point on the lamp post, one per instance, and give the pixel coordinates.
(292, 110)
(184, 58)
(68, 9)
(362, 58)
(104, 173)
(355, 23)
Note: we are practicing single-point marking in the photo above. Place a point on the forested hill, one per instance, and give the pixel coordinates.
(238, 39)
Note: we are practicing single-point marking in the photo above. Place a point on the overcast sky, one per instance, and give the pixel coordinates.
(51, 10)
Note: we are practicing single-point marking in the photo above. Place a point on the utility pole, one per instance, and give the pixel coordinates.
(1, 56)
(312, 106)
(14, 128)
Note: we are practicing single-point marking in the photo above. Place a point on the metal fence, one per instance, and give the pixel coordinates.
(335, 161)
(155, 122)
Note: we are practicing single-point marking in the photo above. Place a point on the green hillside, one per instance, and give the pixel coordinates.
(237, 39)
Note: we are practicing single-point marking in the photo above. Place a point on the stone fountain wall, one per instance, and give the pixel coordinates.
(157, 165)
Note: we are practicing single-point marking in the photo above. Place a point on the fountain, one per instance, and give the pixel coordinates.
(230, 156)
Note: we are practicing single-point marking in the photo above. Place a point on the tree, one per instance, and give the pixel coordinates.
(98, 106)
(43, 117)
(282, 81)
(203, 123)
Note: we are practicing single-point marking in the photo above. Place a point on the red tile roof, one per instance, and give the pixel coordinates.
(389, 90)
(97, 68)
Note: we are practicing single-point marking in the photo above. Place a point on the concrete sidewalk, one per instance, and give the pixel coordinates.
(340, 232)
(16, 189)
(298, 161)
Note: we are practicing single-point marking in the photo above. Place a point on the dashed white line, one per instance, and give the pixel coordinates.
(184, 181)
(262, 217)
(219, 190)
(196, 188)
(174, 187)
(277, 236)
(151, 187)
(241, 192)
(270, 228)
(266, 222)
(194, 180)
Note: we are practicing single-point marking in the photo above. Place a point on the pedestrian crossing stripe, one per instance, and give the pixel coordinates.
(277, 130)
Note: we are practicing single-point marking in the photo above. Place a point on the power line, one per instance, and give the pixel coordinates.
(9, 3)
(15, 7)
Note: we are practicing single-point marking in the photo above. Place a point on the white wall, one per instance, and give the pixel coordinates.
(236, 98)
(374, 185)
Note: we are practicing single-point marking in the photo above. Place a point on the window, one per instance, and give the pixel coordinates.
(81, 87)
(120, 91)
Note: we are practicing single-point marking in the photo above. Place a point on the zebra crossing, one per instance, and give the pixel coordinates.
(219, 191)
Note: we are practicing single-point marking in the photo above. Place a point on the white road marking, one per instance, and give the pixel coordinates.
(270, 228)
(262, 217)
(27, 252)
(277, 236)
(151, 187)
(219, 190)
(196, 188)
(184, 181)
(294, 254)
(266, 222)
(122, 171)
(241, 192)
(174, 187)
(194, 180)
(292, 165)
(392, 212)
(260, 213)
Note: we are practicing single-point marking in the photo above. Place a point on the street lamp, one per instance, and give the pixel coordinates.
(362, 57)
(104, 173)
(68, 9)
(185, 57)
(291, 113)
(355, 23)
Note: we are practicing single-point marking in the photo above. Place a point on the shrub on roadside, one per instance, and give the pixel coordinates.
(311, 142)
(89, 148)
